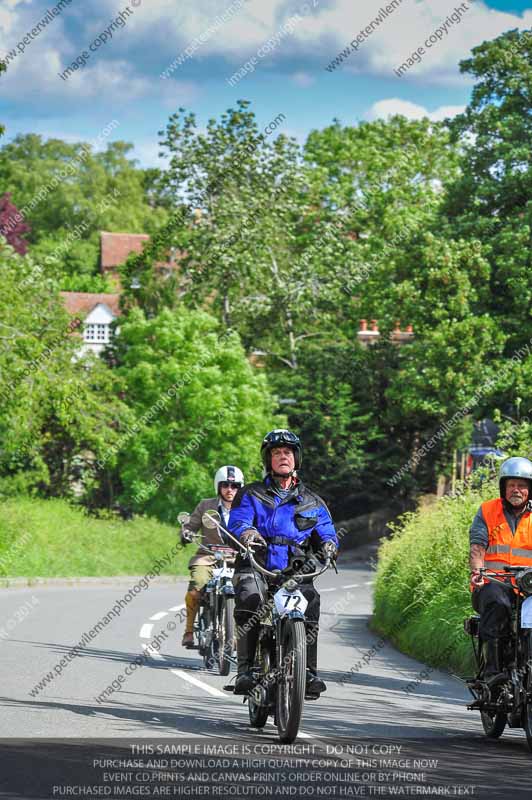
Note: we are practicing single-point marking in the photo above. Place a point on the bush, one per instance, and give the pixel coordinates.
(422, 586)
(50, 538)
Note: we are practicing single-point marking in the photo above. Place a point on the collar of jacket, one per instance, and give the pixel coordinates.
(295, 491)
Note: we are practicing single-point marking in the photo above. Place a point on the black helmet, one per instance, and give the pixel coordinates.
(280, 438)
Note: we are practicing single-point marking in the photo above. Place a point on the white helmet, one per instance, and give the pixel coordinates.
(228, 474)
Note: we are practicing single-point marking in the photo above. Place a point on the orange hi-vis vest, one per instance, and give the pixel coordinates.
(506, 549)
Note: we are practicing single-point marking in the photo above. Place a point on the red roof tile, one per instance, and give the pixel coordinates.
(82, 303)
(115, 247)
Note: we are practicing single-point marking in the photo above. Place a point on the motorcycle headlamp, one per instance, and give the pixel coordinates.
(524, 581)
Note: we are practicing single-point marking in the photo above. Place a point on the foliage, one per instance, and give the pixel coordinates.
(328, 404)
(492, 200)
(421, 589)
(11, 227)
(51, 539)
(69, 193)
(197, 404)
(57, 412)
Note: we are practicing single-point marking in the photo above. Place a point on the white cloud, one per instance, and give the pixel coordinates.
(303, 79)
(327, 30)
(147, 152)
(35, 73)
(394, 105)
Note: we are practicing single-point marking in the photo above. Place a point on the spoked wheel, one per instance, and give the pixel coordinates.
(224, 635)
(292, 673)
(527, 710)
(257, 698)
(206, 638)
(493, 722)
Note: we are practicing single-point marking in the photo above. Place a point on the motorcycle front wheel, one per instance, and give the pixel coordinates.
(493, 722)
(527, 710)
(292, 674)
(257, 698)
(224, 634)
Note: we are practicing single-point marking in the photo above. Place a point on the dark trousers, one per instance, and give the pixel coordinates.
(248, 602)
(494, 604)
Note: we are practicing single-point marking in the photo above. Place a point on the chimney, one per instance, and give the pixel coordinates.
(366, 337)
(402, 337)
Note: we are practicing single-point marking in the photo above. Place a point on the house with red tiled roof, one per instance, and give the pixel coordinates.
(115, 248)
(96, 311)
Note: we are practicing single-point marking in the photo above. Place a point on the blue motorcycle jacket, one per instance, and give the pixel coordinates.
(283, 522)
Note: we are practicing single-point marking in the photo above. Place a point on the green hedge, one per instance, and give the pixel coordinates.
(50, 538)
(422, 585)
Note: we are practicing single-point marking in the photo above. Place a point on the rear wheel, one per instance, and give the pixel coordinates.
(225, 634)
(258, 697)
(292, 674)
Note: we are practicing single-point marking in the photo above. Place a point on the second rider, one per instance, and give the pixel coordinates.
(227, 481)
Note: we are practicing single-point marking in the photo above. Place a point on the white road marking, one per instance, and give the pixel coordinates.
(368, 583)
(322, 591)
(201, 684)
(152, 652)
(145, 631)
(349, 586)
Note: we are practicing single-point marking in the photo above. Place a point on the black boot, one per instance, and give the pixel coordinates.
(245, 650)
(314, 686)
(492, 661)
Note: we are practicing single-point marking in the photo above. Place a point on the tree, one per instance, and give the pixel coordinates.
(197, 404)
(329, 405)
(492, 200)
(68, 194)
(58, 413)
(12, 228)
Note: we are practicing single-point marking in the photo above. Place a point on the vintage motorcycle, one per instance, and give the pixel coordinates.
(215, 626)
(281, 651)
(506, 699)
(213, 630)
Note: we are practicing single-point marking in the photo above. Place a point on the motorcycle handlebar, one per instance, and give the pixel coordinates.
(279, 572)
(260, 568)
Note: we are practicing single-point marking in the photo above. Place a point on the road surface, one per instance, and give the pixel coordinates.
(167, 696)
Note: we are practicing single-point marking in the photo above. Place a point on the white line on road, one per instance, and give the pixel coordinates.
(177, 608)
(201, 684)
(328, 590)
(351, 586)
(145, 631)
(159, 615)
(368, 583)
(152, 652)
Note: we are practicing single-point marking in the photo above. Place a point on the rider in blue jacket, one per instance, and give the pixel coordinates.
(281, 514)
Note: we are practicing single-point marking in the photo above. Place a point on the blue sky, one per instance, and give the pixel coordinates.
(286, 43)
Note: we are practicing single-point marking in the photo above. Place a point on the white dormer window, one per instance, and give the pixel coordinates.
(96, 332)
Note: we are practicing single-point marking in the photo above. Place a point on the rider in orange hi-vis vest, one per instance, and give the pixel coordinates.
(500, 536)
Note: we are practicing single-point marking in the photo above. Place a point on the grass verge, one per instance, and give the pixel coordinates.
(422, 585)
(50, 538)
